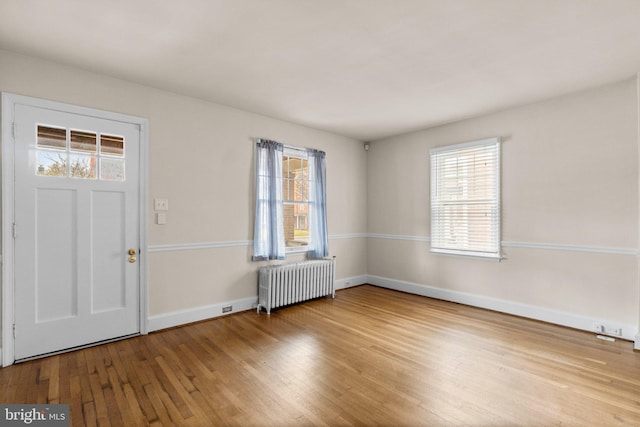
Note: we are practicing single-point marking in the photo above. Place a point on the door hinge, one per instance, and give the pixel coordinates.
(13, 130)
(15, 233)
(14, 330)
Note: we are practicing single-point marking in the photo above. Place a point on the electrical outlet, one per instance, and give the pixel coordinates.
(227, 308)
(613, 331)
(601, 328)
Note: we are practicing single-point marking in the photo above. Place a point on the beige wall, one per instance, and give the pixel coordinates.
(201, 159)
(569, 178)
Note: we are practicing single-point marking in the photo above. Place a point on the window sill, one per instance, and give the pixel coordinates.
(467, 254)
(296, 250)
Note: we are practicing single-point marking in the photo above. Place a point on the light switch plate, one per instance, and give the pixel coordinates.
(161, 204)
(161, 218)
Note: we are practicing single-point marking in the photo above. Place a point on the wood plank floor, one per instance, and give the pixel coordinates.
(370, 357)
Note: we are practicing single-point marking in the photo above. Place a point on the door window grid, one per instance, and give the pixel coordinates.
(62, 152)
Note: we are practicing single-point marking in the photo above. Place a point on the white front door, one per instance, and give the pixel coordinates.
(76, 201)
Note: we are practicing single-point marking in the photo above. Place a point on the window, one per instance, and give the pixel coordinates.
(79, 154)
(291, 208)
(465, 199)
(295, 198)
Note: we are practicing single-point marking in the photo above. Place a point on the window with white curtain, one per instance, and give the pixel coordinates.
(291, 208)
(465, 199)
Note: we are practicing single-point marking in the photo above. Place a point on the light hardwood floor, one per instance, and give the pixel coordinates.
(370, 357)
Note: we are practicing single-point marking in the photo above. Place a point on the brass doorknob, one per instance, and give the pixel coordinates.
(132, 251)
(132, 259)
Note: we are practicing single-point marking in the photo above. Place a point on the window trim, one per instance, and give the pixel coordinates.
(497, 202)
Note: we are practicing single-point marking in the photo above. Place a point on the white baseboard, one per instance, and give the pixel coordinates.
(177, 318)
(629, 332)
(349, 282)
(576, 321)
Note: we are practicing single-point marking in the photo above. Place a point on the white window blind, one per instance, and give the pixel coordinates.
(465, 198)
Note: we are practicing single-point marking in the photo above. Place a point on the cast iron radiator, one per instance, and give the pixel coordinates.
(284, 284)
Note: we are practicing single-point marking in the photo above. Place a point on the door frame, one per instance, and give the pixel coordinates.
(9, 101)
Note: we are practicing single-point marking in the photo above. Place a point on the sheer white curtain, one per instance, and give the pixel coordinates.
(318, 234)
(268, 233)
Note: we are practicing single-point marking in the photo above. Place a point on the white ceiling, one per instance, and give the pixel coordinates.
(362, 68)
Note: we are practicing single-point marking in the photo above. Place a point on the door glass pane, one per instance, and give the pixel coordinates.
(111, 169)
(82, 166)
(83, 141)
(112, 145)
(50, 137)
(80, 158)
(51, 163)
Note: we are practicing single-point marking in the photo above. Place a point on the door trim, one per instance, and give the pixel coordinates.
(9, 101)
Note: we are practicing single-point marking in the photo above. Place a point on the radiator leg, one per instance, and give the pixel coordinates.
(333, 278)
